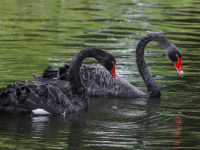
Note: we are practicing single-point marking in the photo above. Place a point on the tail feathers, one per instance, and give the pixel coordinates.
(62, 73)
(37, 77)
(45, 80)
(28, 99)
(50, 72)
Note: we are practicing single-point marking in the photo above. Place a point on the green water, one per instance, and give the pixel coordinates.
(39, 33)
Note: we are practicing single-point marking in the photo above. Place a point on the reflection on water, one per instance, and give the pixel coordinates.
(36, 34)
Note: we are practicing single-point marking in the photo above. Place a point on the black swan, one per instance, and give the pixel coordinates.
(99, 83)
(24, 97)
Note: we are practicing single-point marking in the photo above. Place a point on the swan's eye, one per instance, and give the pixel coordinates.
(178, 56)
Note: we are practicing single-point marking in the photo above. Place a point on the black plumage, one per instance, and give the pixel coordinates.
(100, 83)
(24, 96)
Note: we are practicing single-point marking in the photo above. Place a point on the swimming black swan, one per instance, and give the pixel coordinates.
(24, 97)
(100, 83)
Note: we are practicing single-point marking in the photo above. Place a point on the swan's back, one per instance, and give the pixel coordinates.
(98, 82)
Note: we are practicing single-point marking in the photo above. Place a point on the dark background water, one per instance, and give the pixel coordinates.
(36, 34)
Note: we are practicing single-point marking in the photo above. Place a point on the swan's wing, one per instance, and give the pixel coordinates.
(63, 85)
(98, 81)
(14, 111)
(63, 72)
(30, 95)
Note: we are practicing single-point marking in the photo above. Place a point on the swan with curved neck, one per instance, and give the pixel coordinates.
(24, 97)
(172, 52)
(99, 83)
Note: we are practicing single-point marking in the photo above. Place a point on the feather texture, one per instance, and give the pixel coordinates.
(23, 97)
(100, 83)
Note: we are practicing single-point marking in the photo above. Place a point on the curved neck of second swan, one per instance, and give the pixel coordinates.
(152, 87)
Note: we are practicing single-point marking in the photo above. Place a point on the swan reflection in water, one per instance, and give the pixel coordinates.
(115, 122)
(83, 127)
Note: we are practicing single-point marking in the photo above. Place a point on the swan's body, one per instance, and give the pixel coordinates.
(24, 97)
(99, 83)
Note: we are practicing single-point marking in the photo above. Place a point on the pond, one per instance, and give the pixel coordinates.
(37, 34)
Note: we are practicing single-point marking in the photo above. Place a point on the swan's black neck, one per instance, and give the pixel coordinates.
(78, 89)
(152, 87)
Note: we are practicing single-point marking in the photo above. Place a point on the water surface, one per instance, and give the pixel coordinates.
(36, 34)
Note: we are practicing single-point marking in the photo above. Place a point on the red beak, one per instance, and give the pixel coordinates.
(113, 73)
(178, 66)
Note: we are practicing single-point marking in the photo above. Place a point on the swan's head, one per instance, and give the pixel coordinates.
(108, 61)
(174, 55)
(110, 66)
